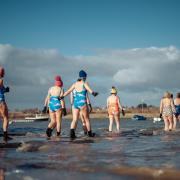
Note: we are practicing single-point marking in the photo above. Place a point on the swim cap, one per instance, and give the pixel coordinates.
(82, 74)
(58, 81)
(1, 72)
(57, 78)
(113, 90)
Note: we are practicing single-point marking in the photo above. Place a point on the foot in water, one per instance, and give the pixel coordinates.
(6, 137)
(72, 134)
(90, 134)
(58, 134)
(49, 132)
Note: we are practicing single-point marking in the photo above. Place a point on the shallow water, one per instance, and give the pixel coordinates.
(141, 151)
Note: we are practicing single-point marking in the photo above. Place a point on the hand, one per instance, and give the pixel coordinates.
(7, 89)
(90, 108)
(123, 112)
(160, 115)
(94, 94)
(61, 97)
(44, 109)
(64, 112)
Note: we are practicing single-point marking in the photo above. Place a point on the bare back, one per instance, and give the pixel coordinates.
(177, 101)
(55, 91)
(78, 86)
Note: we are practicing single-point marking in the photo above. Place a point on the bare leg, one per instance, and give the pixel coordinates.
(58, 121)
(166, 123)
(83, 123)
(174, 122)
(111, 119)
(170, 119)
(75, 118)
(117, 119)
(84, 112)
(4, 114)
(52, 123)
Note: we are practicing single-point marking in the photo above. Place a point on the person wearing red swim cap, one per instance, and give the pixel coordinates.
(55, 105)
(3, 106)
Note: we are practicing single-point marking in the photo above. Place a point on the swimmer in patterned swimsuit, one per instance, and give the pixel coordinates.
(79, 89)
(167, 109)
(56, 106)
(114, 106)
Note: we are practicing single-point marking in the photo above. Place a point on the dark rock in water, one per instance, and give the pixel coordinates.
(14, 134)
(10, 145)
(150, 131)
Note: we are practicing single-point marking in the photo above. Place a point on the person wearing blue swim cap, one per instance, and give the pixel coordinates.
(79, 90)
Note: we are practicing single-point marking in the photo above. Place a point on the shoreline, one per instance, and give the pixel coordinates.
(99, 116)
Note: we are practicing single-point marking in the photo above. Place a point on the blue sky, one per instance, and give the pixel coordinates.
(128, 43)
(77, 26)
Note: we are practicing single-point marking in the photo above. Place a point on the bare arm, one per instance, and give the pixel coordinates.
(173, 106)
(161, 107)
(88, 100)
(119, 103)
(46, 102)
(71, 98)
(69, 90)
(86, 85)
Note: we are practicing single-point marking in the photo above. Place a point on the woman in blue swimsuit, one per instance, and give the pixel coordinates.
(79, 89)
(177, 106)
(3, 106)
(56, 106)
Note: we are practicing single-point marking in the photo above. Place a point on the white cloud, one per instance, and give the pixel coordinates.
(138, 71)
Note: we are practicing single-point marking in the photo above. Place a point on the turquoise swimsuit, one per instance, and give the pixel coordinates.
(79, 98)
(55, 103)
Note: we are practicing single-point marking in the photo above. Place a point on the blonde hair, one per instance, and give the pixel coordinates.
(167, 94)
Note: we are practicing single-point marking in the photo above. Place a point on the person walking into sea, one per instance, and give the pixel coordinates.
(80, 88)
(81, 115)
(177, 106)
(56, 106)
(167, 109)
(114, 106)
(3, 106)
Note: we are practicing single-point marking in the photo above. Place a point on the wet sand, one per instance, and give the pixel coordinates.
(141, 151)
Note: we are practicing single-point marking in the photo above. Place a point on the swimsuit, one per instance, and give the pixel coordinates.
(113, 108)
(2, 91)
(167, 111)
(177, 110)
(79, 98)
(55, 103)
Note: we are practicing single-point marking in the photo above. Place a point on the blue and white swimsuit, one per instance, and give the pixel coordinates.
(55, 103)
(79, 98)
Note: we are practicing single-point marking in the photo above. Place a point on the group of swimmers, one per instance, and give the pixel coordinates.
(80, 103)
(170, 110)
(81, 106)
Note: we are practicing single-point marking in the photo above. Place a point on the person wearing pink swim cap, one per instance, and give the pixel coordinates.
(56, 106)
(3, 106)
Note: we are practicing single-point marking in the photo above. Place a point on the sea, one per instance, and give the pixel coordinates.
(142, 150)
